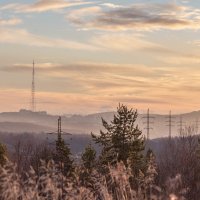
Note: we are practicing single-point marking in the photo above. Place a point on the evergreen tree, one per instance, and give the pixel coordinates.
(63, 156)
(136, 159)
(122, 139)
(2, 154)
(88, 157)
(88, 160)
(151, 170)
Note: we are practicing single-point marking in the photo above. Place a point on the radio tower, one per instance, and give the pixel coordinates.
(33, 89)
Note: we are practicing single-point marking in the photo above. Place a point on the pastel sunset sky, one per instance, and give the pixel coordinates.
(91, 55)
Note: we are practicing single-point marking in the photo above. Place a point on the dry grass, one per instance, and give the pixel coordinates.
(50, 184)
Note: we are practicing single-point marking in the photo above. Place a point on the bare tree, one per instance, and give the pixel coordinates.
(179, 157)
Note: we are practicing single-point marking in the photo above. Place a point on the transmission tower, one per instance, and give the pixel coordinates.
(59, 135)
(197, 125)
(170, 123)
(180, 124)
(148, 122)
(33, 107)
(59, 131)
(59, 127)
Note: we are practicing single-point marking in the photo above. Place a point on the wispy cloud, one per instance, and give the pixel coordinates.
(101, 42)
(107, 78)
(81, 15)
(196, 43)
(10, 22)
(111, 5)
(90, 68)
(137, 85)
(124, 42)
(23, 37)
(141, 17)
(180, 59)
(43, 5)
(109, 75)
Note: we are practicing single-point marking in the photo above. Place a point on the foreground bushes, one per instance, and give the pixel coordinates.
(51, 184)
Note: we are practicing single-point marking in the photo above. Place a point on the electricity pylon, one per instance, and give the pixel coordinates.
(170, 123)
(180, 124)
(33, 107)
(59, 131)
(148, 122)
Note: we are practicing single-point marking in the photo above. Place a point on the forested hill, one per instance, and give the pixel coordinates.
(27, 121)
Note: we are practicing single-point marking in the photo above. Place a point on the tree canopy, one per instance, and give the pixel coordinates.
(121, 139)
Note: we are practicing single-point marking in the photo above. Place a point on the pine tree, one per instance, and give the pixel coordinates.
(122, 138)
(88, 157)
(2, 154)
(88, 161)
(63, 156)
(136, 159)
(151, 171)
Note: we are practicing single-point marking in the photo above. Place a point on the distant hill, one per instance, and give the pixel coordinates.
(27, 121)
(23, 127)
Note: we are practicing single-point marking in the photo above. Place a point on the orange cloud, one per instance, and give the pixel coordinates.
(62, 103)
(43, 5)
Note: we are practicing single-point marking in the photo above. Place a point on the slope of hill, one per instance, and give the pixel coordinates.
(23, 127)
(27, 121)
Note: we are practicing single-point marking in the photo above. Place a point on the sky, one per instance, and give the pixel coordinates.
(92, 55)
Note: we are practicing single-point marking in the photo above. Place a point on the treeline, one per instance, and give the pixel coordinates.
(127, 167)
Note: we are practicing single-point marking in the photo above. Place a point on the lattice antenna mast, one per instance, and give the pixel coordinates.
(170, 123)
(148, 122)
(33, 108)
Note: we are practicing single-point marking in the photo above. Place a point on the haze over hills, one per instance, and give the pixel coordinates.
(37, 122)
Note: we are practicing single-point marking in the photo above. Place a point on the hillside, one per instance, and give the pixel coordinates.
(27, 121)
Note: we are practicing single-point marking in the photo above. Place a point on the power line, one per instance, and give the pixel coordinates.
(148, 122)
(170, 123)
(197, 122)
(59, 134)
(33, 107)
(59, 131)
(180, 124)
